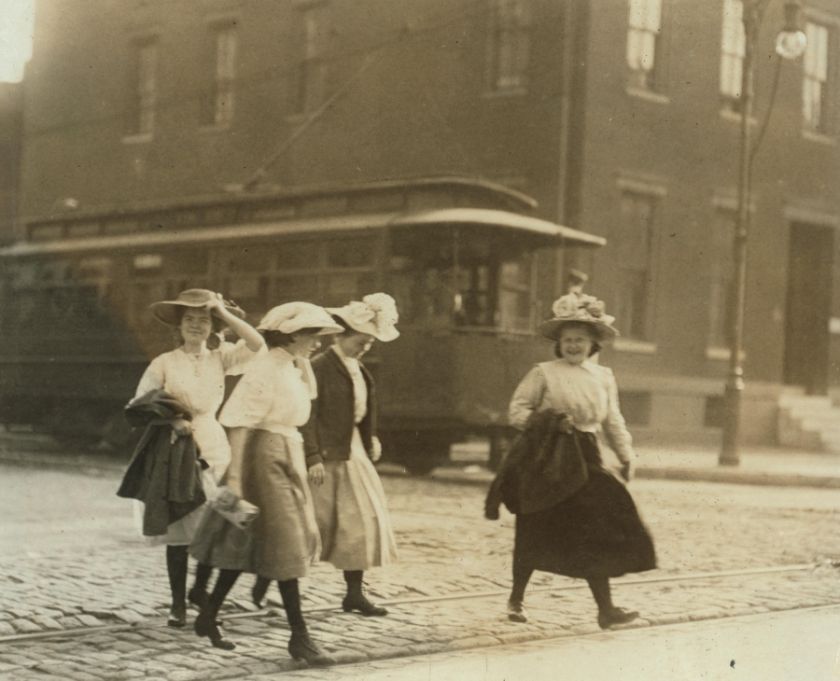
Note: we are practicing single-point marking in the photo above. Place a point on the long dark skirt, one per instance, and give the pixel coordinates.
(597, 532)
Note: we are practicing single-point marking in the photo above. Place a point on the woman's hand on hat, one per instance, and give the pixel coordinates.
(627, 469)
(216, 303)
(316, 474)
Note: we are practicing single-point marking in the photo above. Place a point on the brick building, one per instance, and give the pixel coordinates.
(11, 129)
(620, 117)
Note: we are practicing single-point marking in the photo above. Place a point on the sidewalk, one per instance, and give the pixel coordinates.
(757, 466)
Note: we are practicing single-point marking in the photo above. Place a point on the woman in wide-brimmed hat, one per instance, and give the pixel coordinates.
(268, 469)
(194, 373)
(583, 524)
(341, 444)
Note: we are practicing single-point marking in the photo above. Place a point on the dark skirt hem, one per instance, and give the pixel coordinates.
(595, 533)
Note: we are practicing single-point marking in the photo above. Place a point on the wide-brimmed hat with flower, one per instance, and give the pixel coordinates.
(375, 314)
(579, 309)
(170, 311)
(292, 317)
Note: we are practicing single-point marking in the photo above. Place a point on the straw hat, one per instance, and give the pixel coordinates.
(292, 317)
(167, 311)
(376, 315)
(580, 309)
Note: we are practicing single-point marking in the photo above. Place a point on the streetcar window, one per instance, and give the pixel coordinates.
(294, 287)
(249, 259)
(147, 261)
(515, 294)
(345, 286)
(298, 255)
(351, 252)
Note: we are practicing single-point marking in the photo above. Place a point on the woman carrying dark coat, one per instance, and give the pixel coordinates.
(593, 531)
(194, 374)
(341, 444)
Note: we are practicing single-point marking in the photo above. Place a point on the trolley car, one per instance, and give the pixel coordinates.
(469, 265)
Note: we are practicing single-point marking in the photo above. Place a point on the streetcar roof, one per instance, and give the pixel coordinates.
(324, 225)
(502, 219)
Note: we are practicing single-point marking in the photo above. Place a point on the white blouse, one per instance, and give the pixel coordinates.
(587, 393)
(360, 391)
(199, 382)
(272, 395)
(196, 380)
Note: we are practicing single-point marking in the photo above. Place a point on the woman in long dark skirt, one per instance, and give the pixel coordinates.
(594, 533)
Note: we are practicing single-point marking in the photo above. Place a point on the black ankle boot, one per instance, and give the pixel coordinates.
(301, 647)
(206, 625)
(177, 616)
(358, 601)
(198, 597)
(607, 618)
(259, 590)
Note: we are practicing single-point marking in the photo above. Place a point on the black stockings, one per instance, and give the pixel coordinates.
(224, 583)
(176, 567)
(291, 603)
(202, 577)
(521, 577)
(354, 582)
(600, 587)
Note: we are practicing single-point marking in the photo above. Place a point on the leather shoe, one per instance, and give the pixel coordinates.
(177, 617)
(516, 612)
(205, 625)
(301, 647)
(363, 605)
(198, 597)
(616, 616)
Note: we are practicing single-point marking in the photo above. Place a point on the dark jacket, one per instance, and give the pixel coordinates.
(544, 467)
(164, 475)
(329, 431)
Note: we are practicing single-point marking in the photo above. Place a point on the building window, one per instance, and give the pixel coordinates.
(635, 244)
(732, 53)
(510, 45)
(644, 29)
(311, 76)
(143, 87)
(721, 281)
(218, 105)
(815, 83)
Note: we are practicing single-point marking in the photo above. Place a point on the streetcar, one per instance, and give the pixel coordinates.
(471, 267)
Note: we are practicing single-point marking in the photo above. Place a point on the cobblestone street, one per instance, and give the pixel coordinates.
(83, 598)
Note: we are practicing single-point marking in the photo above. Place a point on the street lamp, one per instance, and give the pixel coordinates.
(790, 44)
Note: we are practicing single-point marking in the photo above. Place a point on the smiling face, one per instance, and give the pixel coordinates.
(304, 344)
(355, 344)
(196, 325)
(575, 343)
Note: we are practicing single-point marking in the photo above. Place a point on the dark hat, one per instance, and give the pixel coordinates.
(166, 311)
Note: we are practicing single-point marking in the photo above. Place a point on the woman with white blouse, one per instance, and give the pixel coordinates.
(595, 533)
(268, 469)
(194, 373)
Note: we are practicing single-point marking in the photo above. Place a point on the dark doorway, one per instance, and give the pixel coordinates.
(808, 307)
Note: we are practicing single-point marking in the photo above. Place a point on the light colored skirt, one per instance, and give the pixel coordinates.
(182, 531)
(283, 541)
(352, 513)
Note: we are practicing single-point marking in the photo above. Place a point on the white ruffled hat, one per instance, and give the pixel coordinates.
(291, 317)
(581, 309)
(376, 314)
